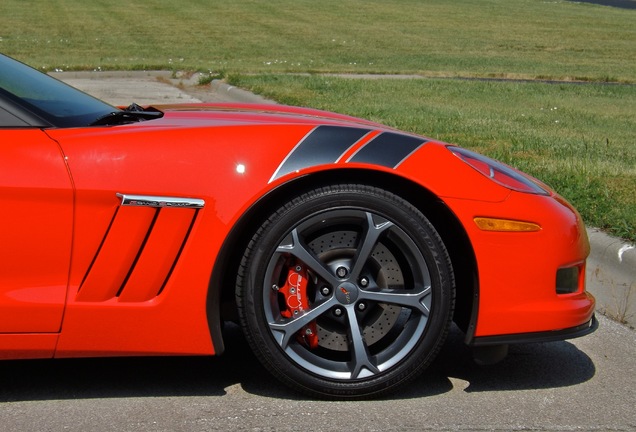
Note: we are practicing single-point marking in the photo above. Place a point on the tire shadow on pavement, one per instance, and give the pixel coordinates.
(531, 366)
(527, 366)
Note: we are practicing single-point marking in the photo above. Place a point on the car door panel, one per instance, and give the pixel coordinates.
(36, 225)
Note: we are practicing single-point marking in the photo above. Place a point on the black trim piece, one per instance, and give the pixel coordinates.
(323, 145)
(388, 149)
(12, 105)
(8, 120)
(474, 314)
(549, 336)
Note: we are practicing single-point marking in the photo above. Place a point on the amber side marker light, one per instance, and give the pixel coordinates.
(505, 225)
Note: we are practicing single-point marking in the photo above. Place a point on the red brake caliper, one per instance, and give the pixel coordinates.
(295, 293)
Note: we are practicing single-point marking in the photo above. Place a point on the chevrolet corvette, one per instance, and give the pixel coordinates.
(343, 248)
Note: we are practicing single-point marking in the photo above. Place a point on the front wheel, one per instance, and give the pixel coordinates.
(345, 291)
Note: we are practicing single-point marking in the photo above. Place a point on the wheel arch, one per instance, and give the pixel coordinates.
(221, 301)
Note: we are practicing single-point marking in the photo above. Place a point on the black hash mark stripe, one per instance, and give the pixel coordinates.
(388, 149)
(323, 145)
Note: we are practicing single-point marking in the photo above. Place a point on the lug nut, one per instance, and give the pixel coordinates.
(364, 282)
(298, 268)
(362, 306)
(341, 272)
(275, 287)
(325, 291)
(337, 312)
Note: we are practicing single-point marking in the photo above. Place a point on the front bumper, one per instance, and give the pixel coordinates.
(538, 337)
(517, 271)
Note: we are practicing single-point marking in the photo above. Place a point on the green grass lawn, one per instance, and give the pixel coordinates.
(578, 138)
(517, 38)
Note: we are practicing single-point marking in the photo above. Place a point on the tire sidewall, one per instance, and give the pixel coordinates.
(387, 205)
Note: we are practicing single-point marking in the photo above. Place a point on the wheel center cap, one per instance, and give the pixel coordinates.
(347, 293)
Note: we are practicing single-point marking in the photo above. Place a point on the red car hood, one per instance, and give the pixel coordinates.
(227, 114)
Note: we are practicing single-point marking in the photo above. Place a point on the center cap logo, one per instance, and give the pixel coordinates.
(347, 293)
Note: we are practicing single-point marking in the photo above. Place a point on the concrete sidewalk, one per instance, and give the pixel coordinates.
(121, 88)
(611, 267)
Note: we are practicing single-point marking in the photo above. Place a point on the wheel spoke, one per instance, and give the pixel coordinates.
(361, 364)
(347, 290)
(284, 332)
(292, 245)
(372, 234)
(404, 298)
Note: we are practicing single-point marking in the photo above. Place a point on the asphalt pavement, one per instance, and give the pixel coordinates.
(586, 384)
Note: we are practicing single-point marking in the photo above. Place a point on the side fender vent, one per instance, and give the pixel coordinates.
(139, 252)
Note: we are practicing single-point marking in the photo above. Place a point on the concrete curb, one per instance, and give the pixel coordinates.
(101, 75)
(239, 95)
(611, 276)
(121, 88)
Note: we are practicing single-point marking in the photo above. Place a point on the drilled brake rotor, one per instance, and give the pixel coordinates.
(337, 246)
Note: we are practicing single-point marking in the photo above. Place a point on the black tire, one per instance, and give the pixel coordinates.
(378, 287)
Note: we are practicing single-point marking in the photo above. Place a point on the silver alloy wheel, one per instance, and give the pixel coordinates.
(376, 277)
(345, 291)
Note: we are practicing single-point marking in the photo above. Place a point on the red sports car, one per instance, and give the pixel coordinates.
(343, 247)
